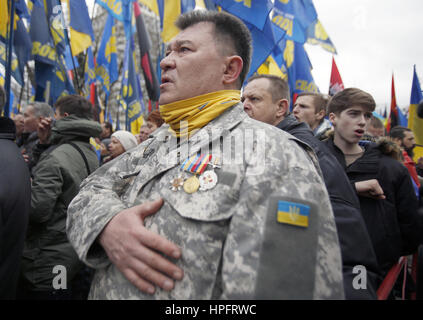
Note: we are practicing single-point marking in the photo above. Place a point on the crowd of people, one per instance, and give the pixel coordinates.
(223, 194)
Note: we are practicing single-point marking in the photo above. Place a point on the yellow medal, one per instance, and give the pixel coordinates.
(191, 185)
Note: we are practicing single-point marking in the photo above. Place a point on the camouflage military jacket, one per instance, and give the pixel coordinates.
(224, 231)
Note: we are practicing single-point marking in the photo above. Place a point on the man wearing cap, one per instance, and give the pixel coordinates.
(208, 207)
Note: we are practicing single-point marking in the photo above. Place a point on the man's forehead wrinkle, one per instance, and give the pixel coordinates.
(177, 43)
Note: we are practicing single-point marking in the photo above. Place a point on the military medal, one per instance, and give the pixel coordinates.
(191, 184)
(177, 183)
(208, 180)
(196, 165)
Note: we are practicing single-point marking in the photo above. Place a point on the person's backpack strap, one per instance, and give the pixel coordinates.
(82, 155)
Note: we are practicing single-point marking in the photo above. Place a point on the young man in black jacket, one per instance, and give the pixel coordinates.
(266, 99)
(387, 199)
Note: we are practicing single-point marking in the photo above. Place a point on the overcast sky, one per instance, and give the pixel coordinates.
(374, 39)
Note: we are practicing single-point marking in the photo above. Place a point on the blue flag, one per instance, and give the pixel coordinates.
(316, 35)
(252, 11)
(131, 93)
(81, 30)
(47, 33)
(264, 42)
(294, 17)
(21, 9)
(22, 45)
(106, 68)
(16, 74)
(120, 10)
(415, 123)
(298, 67)
(59, 83)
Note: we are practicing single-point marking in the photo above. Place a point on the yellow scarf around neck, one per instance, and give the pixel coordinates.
(185, 116)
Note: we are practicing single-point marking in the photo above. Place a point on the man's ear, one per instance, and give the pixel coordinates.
(332, 118)
(283, 107)
(66, 114)
(320, 115)
(233, 68)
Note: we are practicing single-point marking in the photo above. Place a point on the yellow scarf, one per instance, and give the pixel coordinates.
(185, 116)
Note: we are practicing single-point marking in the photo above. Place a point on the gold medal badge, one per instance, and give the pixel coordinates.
(196, 164)
(191, 184)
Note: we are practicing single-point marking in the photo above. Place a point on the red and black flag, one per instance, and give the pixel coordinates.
(336, 85)
(144, 42)
(396, 117)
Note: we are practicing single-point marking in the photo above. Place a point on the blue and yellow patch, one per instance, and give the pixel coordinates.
(293, 213)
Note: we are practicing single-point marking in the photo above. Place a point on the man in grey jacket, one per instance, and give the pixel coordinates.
(210, 191)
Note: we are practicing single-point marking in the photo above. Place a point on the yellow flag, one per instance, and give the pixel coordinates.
(271, 67)
(4, 18)
(172, 9)
(136, 125)
(151, 4)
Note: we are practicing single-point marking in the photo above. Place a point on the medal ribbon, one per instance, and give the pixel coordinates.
(196, 164)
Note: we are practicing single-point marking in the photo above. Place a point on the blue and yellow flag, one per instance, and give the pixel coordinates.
(49, 48)
(81, 30)
(264, 42)
(415, 123)
(89, 68)
(317, 35)
(293, 213)
(20, 53)
(114, 7)
(15, 72)
(106, 65)
(294, 17)
(22, 45)
(169, 10)
(120, 10)
(55, 79)
(271, 66)
(21, 9)
(47, 33)
(298, 67)
(131, 90)
(252, 11)
(96, 147)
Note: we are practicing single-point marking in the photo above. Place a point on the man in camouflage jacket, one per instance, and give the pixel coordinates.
(134, 223)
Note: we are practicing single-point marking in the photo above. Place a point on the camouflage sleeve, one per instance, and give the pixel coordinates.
(97, 202)
(290, 173)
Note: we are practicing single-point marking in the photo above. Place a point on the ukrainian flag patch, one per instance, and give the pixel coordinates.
(293, 213)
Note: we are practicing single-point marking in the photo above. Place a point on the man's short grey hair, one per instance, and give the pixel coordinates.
(42, 109)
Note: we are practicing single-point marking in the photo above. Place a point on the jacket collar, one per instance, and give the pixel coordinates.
(210, 132)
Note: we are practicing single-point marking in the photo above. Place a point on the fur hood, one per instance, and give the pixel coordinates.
(384, 144)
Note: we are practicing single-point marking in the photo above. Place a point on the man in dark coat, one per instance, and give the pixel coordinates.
(15, 199)
(265, 99)
(387, 199)
(67, 160)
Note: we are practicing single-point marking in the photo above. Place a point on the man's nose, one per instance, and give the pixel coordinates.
(167, 62)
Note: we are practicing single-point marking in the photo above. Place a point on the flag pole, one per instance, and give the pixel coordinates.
(54, 42)
(86, 51)
(9, 58)
(70, 48)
